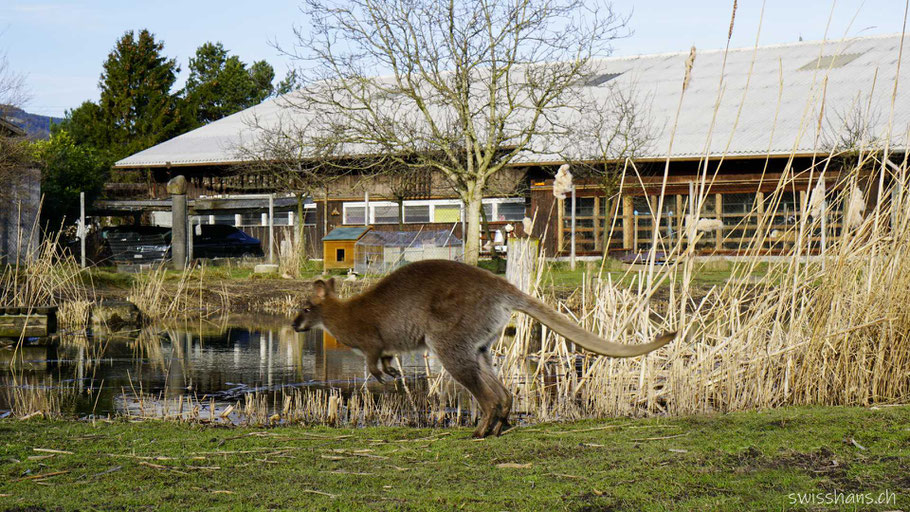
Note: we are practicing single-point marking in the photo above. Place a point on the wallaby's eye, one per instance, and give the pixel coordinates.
(306, 310)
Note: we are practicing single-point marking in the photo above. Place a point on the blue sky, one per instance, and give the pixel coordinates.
(60, 45)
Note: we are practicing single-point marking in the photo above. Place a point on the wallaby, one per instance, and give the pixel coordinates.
(456, 310)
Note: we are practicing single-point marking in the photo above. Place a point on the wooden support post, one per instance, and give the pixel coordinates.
(597, 227)
(655, 224)
(680, 225)
(719, 211)
(627, 222)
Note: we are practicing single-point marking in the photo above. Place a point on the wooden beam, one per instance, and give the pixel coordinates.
(718, 211)
(627, 224)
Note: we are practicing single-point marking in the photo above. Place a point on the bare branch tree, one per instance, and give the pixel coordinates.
(614, 127)
(13, 151)
(850, 136)
(279, 153)
(459, 87)
(13, 91)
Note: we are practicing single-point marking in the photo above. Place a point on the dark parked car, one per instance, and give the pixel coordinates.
(140, 244)
(220, 241)
(137, 244)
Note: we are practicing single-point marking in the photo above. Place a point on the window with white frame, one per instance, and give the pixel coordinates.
(432, 210)
(384, 214)
(353, 214)
(446, 213)
(510, 211)
(417, 213)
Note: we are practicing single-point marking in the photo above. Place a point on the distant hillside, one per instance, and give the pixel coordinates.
(36, 126)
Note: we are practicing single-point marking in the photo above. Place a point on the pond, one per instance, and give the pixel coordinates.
(143, 373)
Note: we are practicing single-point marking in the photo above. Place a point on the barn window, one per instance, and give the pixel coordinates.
(339, 254)
(353, 214)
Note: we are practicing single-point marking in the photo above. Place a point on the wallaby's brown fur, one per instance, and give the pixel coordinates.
(456, 310)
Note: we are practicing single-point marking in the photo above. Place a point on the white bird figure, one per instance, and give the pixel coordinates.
(816, 200)
(527, 225)
(562, 185)
(855, 209)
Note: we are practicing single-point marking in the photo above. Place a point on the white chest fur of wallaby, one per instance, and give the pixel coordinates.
(456, 310)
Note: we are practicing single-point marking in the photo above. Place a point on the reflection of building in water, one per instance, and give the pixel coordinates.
(223, 363)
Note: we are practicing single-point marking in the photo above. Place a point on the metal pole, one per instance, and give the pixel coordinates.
(82, 228)
(572, 247)
(271, 228)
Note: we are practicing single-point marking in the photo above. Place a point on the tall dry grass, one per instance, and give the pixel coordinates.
(164, 294)
(51, 277)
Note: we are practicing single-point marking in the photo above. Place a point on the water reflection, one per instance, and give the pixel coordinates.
(203, 361)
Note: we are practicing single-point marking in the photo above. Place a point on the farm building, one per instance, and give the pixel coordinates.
(379, 252)
(338, 247)
(756, 125)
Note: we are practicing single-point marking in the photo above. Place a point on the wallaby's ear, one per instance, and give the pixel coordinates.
(320, 288)
(330, 286)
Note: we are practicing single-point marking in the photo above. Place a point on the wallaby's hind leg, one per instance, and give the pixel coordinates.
(504, 403)
(388, 368)
(474, 372)
(373, 365)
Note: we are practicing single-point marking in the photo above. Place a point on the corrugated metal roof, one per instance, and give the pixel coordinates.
(352, 233)
(774, 109)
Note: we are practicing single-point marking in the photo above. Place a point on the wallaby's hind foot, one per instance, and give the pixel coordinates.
(373, 366)
(390, 370)
(501, 425)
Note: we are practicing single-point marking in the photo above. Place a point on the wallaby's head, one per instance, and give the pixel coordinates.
(310, 314)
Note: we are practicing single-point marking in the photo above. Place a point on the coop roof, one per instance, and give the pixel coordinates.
(345, 234)
(779, 100)
(410, 239)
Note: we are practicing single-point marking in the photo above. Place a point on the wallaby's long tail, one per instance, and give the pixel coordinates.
(559, 323)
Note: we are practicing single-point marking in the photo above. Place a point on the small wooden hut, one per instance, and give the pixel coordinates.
(338, 247)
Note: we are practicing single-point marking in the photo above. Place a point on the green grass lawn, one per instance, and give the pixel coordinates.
(739, 461)
(560, 276)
